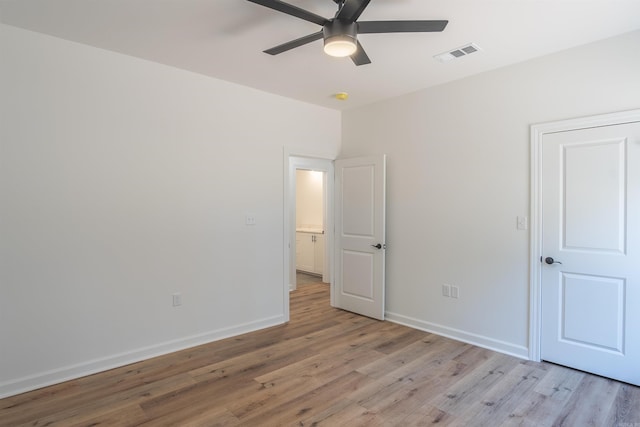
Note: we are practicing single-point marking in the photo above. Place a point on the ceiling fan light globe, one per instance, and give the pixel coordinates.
(340, 46)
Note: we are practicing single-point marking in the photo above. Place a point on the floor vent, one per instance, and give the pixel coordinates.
(459, 52)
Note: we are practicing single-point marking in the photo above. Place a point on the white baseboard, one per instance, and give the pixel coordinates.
(521, 352)
(55, 376)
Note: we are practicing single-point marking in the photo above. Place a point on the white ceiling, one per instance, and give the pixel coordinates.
(225, 39)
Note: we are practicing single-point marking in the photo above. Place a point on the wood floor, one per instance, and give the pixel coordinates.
(333, 368)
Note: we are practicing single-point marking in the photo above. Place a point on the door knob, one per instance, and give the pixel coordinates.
(550, 261)
(378, 246)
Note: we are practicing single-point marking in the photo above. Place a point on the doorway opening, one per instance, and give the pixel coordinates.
(314, 228)
(310, 215)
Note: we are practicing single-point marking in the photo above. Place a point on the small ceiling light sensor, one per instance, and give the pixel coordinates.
(342, 96)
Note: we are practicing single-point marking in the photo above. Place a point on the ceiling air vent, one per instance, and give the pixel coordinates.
(459, 52)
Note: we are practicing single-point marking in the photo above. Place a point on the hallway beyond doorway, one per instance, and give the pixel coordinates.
(306, 279)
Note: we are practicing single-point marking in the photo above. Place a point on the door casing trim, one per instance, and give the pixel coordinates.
(538, 131)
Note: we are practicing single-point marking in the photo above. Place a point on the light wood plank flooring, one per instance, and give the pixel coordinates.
(333, 368)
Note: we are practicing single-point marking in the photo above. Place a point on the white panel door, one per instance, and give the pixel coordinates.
(591, 250)
(360, 233)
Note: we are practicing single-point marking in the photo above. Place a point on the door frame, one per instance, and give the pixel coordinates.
(302, 159)
(538, 131)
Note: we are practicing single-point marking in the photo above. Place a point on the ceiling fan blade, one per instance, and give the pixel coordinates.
(292, 10)
(294, 43)
(352, 9)
(370, 27)
(360, 57)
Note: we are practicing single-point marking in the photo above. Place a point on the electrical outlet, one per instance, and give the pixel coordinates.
(250, 219)
(446, 290)
(177, 299)
(455, 291)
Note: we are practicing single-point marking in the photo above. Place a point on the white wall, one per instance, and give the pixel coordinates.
(458, 176)
(309, 195)
(121, 182)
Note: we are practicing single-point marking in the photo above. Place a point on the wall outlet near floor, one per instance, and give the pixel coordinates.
(177, 299)
(446, 290)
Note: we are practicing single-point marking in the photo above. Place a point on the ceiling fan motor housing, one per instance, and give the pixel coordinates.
(340, 37)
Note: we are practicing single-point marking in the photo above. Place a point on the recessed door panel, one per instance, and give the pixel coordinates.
(594, 195)
(357, 201)
(593, 311)
(358, 274)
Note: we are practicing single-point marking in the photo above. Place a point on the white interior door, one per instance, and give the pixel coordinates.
(590, 277)
(360, 235)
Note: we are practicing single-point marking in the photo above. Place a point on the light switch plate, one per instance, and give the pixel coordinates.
(177, 299)
(455, 291)
(446, 290)
(522, 223)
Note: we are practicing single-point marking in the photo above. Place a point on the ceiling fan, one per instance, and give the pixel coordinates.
(340, 33)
